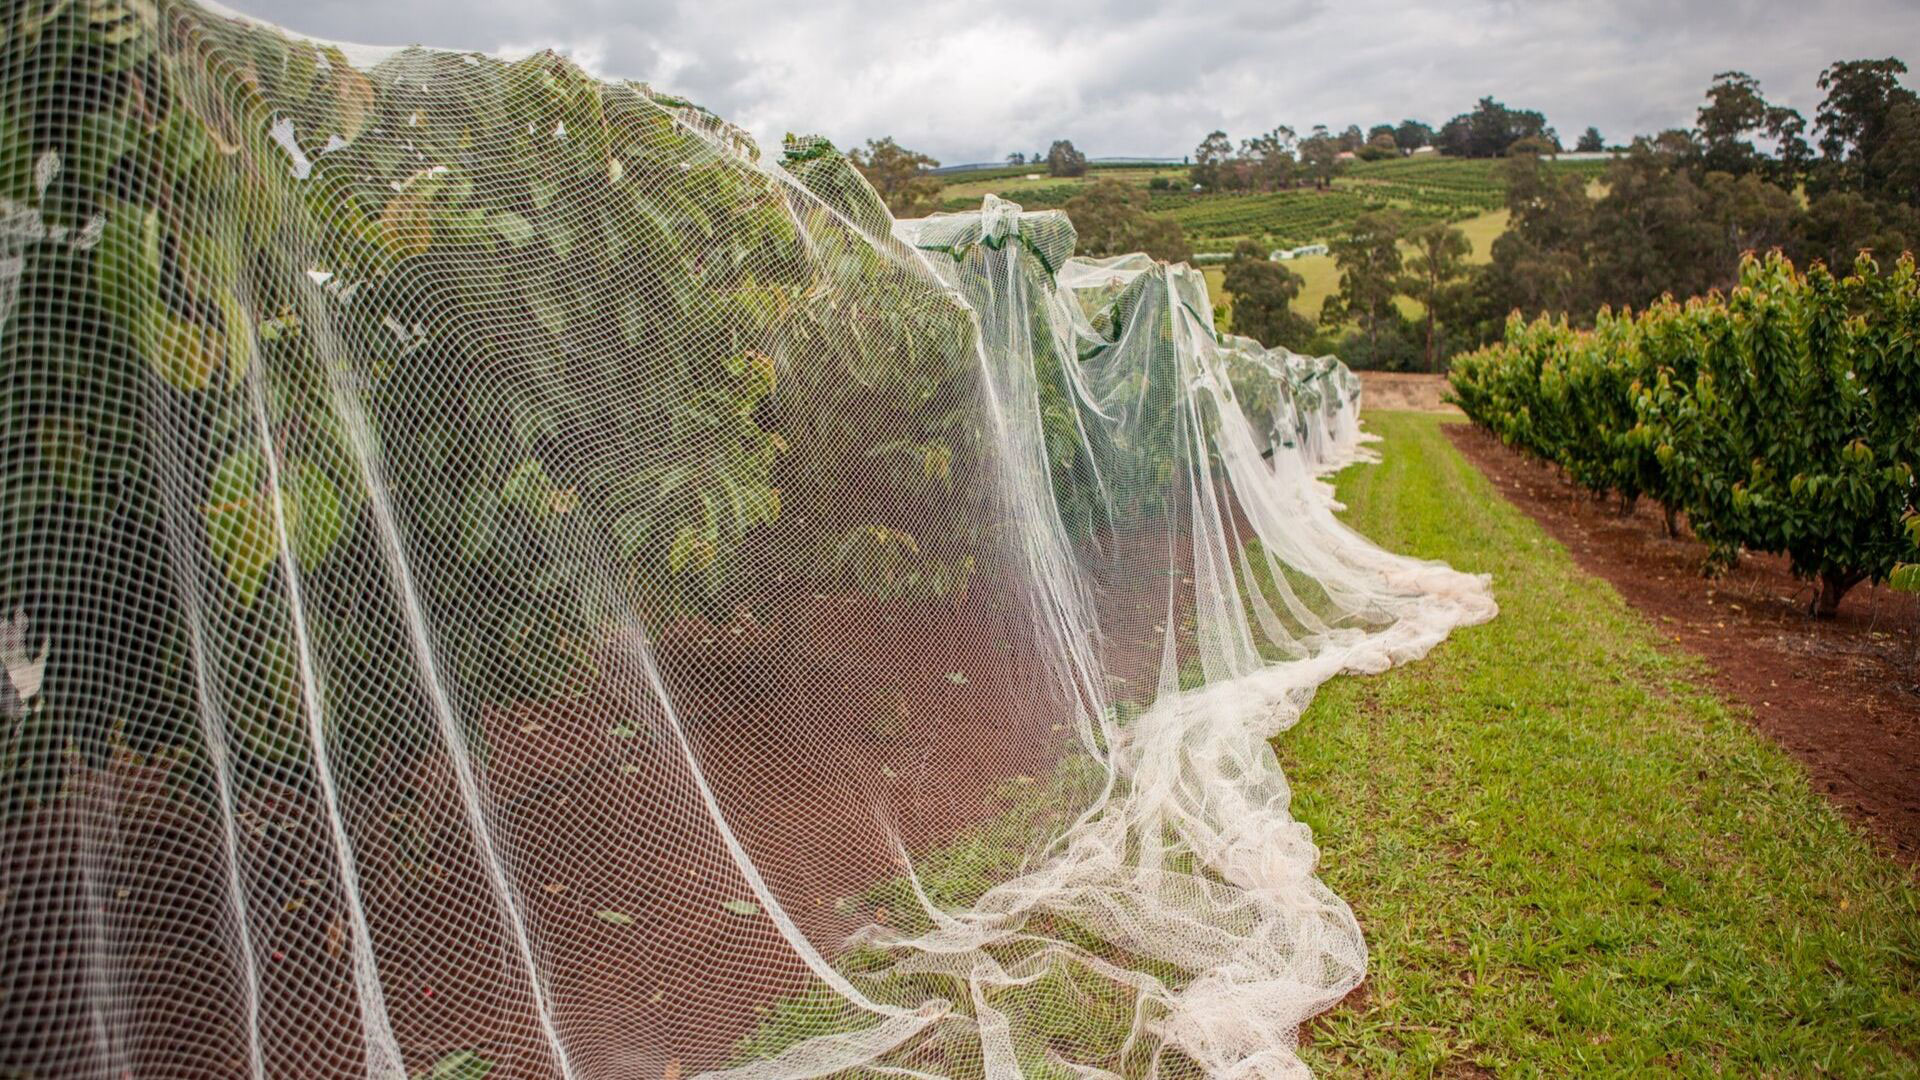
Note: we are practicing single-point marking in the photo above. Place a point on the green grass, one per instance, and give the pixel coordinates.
(1321, 279)
(1569, 855)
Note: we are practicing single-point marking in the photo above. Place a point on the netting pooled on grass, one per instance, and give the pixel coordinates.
(502, 577)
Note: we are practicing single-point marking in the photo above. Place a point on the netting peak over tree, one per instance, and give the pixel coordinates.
(503, 577)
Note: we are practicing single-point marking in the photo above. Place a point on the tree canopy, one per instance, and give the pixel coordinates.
(1490, 129)
(903, 177)
(1110, 218)
(1263, 292)
(1064, 160)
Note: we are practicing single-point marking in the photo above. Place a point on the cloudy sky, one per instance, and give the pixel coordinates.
(974, 81)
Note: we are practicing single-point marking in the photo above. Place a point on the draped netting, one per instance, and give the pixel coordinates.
(504, 578)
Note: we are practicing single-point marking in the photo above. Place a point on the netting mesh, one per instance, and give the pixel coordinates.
(504, 579)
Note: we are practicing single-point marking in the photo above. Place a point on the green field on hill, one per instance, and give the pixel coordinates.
(1468, 192)
(1424, 189)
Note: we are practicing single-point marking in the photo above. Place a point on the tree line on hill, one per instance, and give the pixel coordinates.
(905, 180)
(1674, 214)
(1283, 158)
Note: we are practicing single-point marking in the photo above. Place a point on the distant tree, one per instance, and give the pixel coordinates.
(1263, 292)
(1896, 164)
(1018, 157)
(1269, 159)
(1531, 145)
(1749, 213)
(1378, 130)
(1490, 128)
(1540, 262)
(1590, 141)
(901, 176)
(1840, 224)
(1064, 160)
(1210, 160)
(1411, 135)
(1379, 147)
(1662, 227)
(1351, 139)
(1110, 218)
(1861, 120)
(1734, 112)
(1369, 260)
(1678, 147)
(1320, 156)
(1787, 129)
(1438, 262)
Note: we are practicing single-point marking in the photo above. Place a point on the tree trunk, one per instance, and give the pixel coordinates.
(1670, 518)
(1833, 587)
(1431, 366)
(1627, 504)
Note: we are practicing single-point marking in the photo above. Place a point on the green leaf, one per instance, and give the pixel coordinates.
(459, 1065)
(238, 336)
(478, 523)
(742, 907)
(316, 515)
(549, 307)
(612, 917)
(513, 228)
(68, 451)
(239, 530)
(127, 267)
(104, 138)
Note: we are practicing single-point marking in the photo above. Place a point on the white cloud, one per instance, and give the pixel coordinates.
(972, 81)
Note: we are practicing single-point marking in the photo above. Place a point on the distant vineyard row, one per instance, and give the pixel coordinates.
(1423, 189)
(1295, 217)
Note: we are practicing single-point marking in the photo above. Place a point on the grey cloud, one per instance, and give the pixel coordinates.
(971, 81)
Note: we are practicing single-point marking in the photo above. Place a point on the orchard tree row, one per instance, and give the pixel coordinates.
(1782, 417)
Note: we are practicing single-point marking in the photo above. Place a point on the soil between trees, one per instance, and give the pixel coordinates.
(1842, 694)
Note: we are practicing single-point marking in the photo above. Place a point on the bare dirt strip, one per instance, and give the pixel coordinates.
(1841, 694)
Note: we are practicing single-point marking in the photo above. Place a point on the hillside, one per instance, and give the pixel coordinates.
(1424, 189)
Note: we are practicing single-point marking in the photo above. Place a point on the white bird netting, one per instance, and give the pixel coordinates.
(504, 579)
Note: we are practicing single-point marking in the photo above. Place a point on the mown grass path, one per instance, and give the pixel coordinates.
(1570, 856)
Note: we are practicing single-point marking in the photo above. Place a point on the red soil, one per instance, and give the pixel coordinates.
(1842, 694)
(844, 728)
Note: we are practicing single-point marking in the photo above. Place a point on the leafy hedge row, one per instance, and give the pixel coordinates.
(236, 268)
(1783, 417)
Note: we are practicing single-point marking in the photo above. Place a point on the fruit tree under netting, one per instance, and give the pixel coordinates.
(503, 579)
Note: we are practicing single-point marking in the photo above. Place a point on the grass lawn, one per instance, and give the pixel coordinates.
(1482, 230)
(1569, 855)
